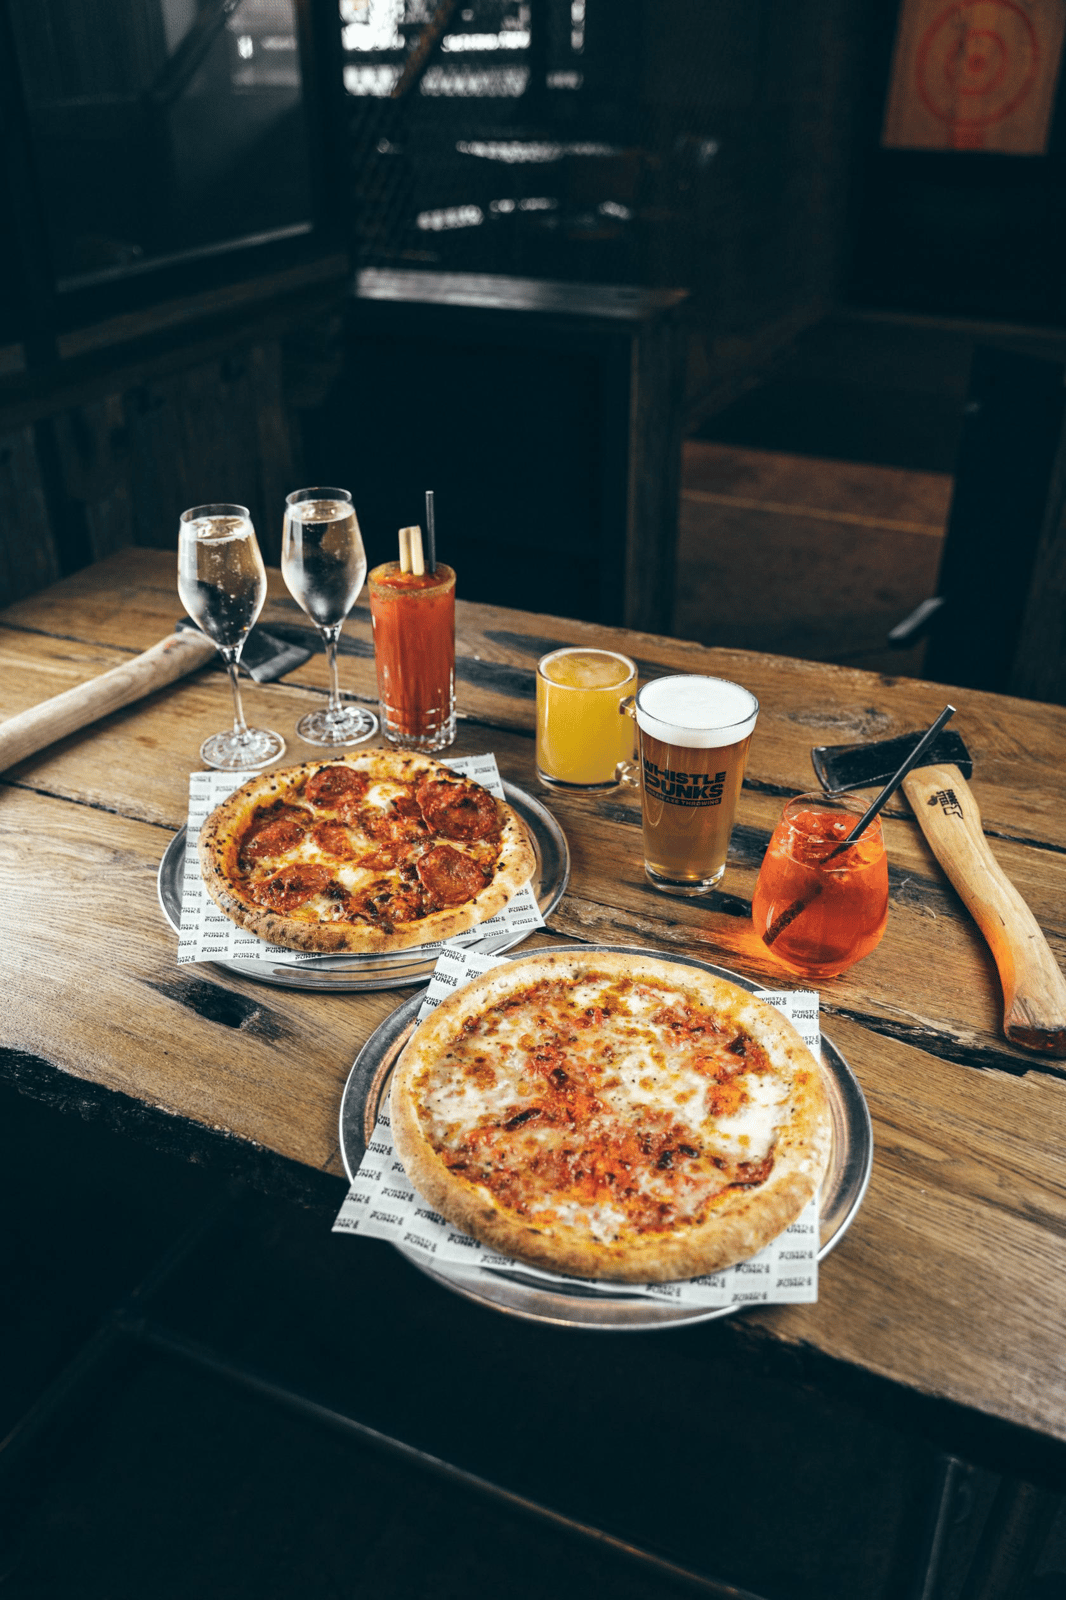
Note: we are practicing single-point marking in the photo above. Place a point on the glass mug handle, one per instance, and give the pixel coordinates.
(628, 772)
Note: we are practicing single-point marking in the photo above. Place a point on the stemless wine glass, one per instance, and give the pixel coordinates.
(222, 584)
(324, 564)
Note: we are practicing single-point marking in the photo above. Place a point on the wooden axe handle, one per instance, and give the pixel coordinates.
(1034, 989)
(32, 730)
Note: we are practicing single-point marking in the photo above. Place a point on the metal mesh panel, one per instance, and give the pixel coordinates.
(481, 142)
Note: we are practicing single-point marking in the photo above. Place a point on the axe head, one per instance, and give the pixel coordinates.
(840, 767)
(264, 657)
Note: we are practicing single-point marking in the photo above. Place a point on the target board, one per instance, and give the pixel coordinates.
(975, 75)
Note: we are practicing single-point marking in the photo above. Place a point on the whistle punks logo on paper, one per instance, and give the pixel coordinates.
(683, 788)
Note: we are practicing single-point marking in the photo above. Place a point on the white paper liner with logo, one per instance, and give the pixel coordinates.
(381, 1203)
(207, 934)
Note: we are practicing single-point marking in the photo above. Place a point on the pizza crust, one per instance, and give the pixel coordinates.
(222, 832)
(742, 1221)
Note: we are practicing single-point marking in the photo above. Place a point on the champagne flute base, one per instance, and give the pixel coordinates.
(349, 725)
(242, 752)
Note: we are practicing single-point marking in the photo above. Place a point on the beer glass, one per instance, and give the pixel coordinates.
(694, 737)
(584, 737)
(323, 563)
(222, 584)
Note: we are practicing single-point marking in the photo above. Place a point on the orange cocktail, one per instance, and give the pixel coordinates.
(819, 908)
(414, 650)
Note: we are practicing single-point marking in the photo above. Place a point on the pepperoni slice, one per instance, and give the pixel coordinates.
(401, 821)
(384, 859)
(333, 839)
(330, 785)
(272, 840)
(449, 877)
(278, 812)
(292, 886)
(458, 810)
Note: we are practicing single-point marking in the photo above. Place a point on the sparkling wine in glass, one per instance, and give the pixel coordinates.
(222, 584)
(324, 564)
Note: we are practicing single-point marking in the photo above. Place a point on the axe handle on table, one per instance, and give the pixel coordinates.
(1034, 989)
(33, 729)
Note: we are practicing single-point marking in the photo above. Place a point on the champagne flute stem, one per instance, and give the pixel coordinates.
(231, 657)
(331, 638)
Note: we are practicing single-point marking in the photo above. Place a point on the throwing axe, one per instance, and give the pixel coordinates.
(1034, 989)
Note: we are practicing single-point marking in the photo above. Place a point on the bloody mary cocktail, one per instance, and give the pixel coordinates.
(414, 651)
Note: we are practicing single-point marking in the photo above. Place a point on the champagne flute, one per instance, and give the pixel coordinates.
(324, 564)
(222, 584)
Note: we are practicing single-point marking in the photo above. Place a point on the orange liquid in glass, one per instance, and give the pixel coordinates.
(844, 900)
(414, 650)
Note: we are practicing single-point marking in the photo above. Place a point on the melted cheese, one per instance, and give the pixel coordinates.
(380, 795)
(637, 1118)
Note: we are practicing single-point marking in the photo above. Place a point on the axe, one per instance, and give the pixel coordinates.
(1034, 989)
(263, 658)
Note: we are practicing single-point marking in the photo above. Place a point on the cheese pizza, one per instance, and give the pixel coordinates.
(366, 853)
(612, 1115)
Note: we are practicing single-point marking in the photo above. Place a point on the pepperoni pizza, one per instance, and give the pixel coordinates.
(367, 853)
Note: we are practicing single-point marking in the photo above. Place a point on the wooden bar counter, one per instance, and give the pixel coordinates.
(949, 1282)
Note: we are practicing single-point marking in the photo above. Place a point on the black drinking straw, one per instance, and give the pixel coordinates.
(431, 534)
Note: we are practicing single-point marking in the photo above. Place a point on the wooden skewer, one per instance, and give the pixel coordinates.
(405, 549)
(418, 565)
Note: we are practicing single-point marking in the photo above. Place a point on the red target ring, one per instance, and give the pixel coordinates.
(957, 58)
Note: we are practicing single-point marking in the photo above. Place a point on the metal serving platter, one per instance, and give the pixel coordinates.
(399, 968)
(521, 1295)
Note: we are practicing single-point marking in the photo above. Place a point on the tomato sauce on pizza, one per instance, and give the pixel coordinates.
(375, 852)
(612, 1119)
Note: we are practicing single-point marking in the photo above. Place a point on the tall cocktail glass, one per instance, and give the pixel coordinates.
(414, 651)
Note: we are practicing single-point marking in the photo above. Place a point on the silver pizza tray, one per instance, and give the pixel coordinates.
(399, 968)
(522, 1295)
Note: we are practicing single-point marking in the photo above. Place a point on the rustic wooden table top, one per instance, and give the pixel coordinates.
(950, 1279)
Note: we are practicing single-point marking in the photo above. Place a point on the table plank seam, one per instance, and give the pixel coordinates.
(89, 805)
(945, 1047)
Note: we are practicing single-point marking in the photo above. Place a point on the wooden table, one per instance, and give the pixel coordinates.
(949, 1282)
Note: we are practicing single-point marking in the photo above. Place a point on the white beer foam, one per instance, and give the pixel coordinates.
(696, 713)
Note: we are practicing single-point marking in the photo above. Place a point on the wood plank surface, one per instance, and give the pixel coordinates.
(964, 1226)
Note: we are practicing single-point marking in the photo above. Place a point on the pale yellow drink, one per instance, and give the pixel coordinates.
(584, 736)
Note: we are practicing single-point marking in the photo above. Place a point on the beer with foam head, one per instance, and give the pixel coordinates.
(694, 738)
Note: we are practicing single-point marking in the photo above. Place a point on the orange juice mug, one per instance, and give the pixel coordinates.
(584, 736)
